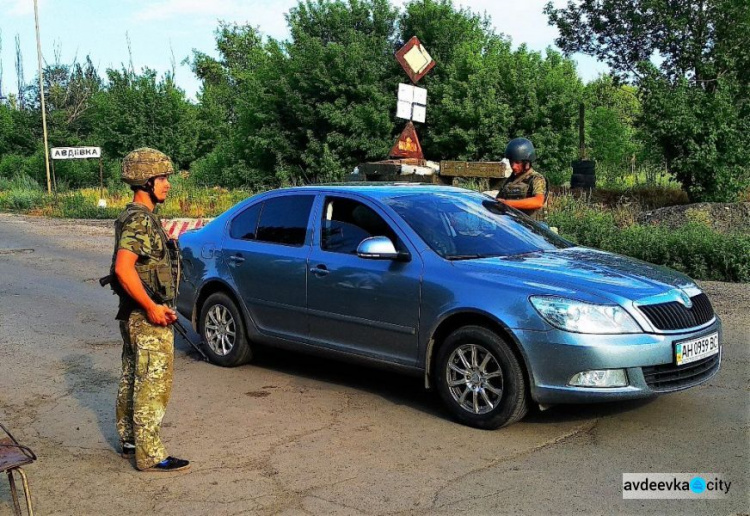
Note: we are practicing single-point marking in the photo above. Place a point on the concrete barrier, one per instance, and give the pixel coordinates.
(175, 227)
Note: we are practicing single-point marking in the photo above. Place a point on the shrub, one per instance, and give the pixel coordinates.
(21, 200)
(695, 249)
(20, 193)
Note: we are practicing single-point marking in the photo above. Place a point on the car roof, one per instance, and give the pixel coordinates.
(379, 190)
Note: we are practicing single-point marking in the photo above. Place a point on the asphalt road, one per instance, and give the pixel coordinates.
(292, 434)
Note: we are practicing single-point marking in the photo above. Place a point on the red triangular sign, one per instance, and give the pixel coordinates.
(407, 145)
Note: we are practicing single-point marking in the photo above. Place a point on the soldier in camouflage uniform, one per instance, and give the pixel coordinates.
(525, 189)
(141, 260)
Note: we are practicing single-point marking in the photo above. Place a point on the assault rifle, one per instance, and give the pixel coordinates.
(106, 280)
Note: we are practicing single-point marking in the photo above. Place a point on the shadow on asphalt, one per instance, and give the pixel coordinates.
(96, 390)
(567, 413)
(402, 389)
(399, 389)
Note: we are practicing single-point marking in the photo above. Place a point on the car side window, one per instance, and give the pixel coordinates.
(244, 226)
(283, 220)
(347, 222)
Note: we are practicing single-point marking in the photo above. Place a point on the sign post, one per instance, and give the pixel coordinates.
(412, 101)
(41, 94)
(82, 153)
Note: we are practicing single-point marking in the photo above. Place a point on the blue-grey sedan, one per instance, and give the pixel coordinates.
(495, 311)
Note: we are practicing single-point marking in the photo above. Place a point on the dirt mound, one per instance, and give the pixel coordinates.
(722, 217)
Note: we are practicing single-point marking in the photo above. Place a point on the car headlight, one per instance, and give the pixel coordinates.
(580, 317)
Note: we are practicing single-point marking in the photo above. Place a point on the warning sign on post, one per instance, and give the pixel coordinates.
(75, 152)
(407, 145)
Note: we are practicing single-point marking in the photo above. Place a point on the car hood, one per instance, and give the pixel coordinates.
(578, 270)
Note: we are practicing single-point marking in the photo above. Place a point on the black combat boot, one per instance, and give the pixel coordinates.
(169, 465)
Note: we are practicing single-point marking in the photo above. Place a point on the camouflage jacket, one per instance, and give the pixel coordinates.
(139, 230)
(528, 184)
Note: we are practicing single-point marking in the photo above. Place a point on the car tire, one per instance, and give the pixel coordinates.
(480, 379)
(223, 331)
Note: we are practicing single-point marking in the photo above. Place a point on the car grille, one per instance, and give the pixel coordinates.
(675, 316)
(669, 377)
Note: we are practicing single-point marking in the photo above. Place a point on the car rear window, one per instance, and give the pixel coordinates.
(283, 220)
(245, 225)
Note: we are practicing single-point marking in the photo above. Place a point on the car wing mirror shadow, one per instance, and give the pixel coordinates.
(380, 248)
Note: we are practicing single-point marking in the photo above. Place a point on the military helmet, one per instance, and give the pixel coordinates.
(520, 149)
(142, 164)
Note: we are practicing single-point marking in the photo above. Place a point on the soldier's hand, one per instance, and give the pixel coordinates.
(161, 315)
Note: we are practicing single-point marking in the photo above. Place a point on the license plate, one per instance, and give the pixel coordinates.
(691, 350)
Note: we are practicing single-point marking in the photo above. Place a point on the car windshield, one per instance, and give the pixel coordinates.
(462, 226)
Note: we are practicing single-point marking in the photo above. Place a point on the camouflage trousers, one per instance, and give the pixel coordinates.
(145, 386)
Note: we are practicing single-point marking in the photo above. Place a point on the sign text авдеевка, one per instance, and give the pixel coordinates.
(75, 152)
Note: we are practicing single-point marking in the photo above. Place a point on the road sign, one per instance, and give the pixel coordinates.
(75, 152)
(407, 145)
(415, 60)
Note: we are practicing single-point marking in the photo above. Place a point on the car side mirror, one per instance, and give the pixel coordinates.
(380, 248)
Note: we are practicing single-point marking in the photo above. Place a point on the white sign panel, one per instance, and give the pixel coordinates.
(403, 110)
(420, 96)
(75, 152)
(418, 113)
(406, 93)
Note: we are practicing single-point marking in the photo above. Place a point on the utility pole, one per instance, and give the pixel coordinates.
(41, 96)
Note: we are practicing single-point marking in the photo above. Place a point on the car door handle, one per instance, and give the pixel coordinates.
(320, 270)
(236, 259)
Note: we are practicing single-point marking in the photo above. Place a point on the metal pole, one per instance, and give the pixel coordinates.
(581, 132)
(101, 180)
(41, 96)
(54, 176)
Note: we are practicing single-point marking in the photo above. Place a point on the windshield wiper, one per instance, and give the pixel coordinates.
(468, 256)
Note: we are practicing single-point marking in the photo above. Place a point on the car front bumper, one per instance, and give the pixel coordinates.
(553, 357)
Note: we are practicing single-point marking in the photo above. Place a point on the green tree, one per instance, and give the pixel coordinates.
(334, 103)
(239, 109)
(313, 107)
(306, 109)
(20, 131)
(69, 90)
(612, 111)
(137, 110)
(695, 103)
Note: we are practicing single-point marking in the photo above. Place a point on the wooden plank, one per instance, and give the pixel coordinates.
(473, 169)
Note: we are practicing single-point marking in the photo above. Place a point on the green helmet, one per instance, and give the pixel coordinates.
(520, 149)
(142, 164)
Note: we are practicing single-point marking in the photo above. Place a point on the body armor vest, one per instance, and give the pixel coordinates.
(161, 271)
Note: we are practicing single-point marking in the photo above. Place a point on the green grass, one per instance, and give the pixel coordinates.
(695, 248)
(185, 200)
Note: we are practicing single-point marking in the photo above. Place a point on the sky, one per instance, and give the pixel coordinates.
(162, 33)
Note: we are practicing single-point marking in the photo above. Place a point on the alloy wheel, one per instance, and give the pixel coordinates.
(474, 378)
(220, 330)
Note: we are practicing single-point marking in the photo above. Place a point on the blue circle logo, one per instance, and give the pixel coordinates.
(697, 485)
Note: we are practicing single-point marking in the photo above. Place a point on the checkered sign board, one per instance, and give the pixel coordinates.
(412, 103)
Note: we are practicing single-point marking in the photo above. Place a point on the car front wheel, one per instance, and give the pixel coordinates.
(223, 331)
(480, 379)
